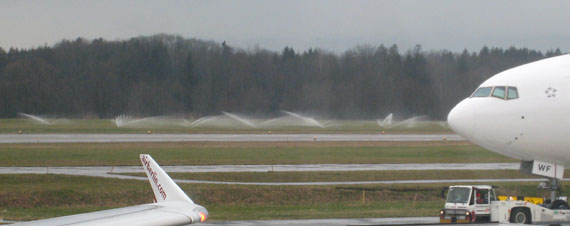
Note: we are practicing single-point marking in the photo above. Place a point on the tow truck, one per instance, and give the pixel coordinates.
(479, 203)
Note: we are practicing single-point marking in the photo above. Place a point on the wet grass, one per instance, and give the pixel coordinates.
(107, 126)
(26, 197)
(221, 153)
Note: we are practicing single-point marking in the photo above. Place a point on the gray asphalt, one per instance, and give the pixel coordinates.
(333, 222)
(347, 221)
(262, 168)
(108, 138)
(109, 172)
(352, 182)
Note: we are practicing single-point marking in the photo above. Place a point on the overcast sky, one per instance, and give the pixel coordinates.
(334, 25)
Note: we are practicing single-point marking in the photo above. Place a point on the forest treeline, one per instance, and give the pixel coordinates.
(167, 74)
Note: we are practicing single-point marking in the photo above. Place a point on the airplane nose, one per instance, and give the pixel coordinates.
(461, 119)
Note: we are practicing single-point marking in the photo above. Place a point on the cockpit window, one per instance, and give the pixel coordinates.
(512, 93)
(482, 92)
(499, 92)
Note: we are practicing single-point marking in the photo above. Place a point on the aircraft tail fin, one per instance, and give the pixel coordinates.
(164, 188)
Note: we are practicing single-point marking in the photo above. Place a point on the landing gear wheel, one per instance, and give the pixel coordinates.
(559, 205)
(520, 216)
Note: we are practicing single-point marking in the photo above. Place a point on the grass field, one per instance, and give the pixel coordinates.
(25, 197)
(107, 126)
(216, 153)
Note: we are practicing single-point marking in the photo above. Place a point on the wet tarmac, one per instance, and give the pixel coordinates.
(109, 138)
(264, 168)
(111, 172)
(347, 221)
(334, 222)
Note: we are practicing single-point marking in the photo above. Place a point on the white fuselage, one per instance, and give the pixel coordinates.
(533, 126)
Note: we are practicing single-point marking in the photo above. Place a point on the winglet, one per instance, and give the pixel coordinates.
(164, 188)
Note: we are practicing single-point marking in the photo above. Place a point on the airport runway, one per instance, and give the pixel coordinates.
(262, 168)
(108, 138)
(471, 181)
(333, 222)
(185, 181)
(346, 221)
(111, 172)
(353, 221)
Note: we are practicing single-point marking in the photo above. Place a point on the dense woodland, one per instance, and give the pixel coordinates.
(167, 74)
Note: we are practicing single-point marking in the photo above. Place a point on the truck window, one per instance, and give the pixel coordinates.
(482, 196)
(458, 195)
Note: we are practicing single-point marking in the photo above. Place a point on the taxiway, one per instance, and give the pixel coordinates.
(109, 138)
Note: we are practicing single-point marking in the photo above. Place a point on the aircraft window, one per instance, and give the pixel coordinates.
(482, 92)
(512, 93)
(499, 92)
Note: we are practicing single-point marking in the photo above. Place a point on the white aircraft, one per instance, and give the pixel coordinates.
(172, 206)
(523, 113)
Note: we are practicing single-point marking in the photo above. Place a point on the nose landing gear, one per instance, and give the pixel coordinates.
(553, 172)
(554, 203)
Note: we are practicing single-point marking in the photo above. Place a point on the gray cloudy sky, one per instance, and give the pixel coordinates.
(329, 24)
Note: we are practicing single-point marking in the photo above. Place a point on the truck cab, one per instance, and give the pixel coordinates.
(468, 203)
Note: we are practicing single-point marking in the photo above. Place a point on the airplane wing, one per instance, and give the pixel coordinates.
(173, 206)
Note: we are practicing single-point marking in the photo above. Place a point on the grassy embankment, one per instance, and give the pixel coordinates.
(107, 126)
(25, 197)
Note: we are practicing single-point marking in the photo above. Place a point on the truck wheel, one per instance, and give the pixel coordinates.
(559, 205)
(520, 216)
